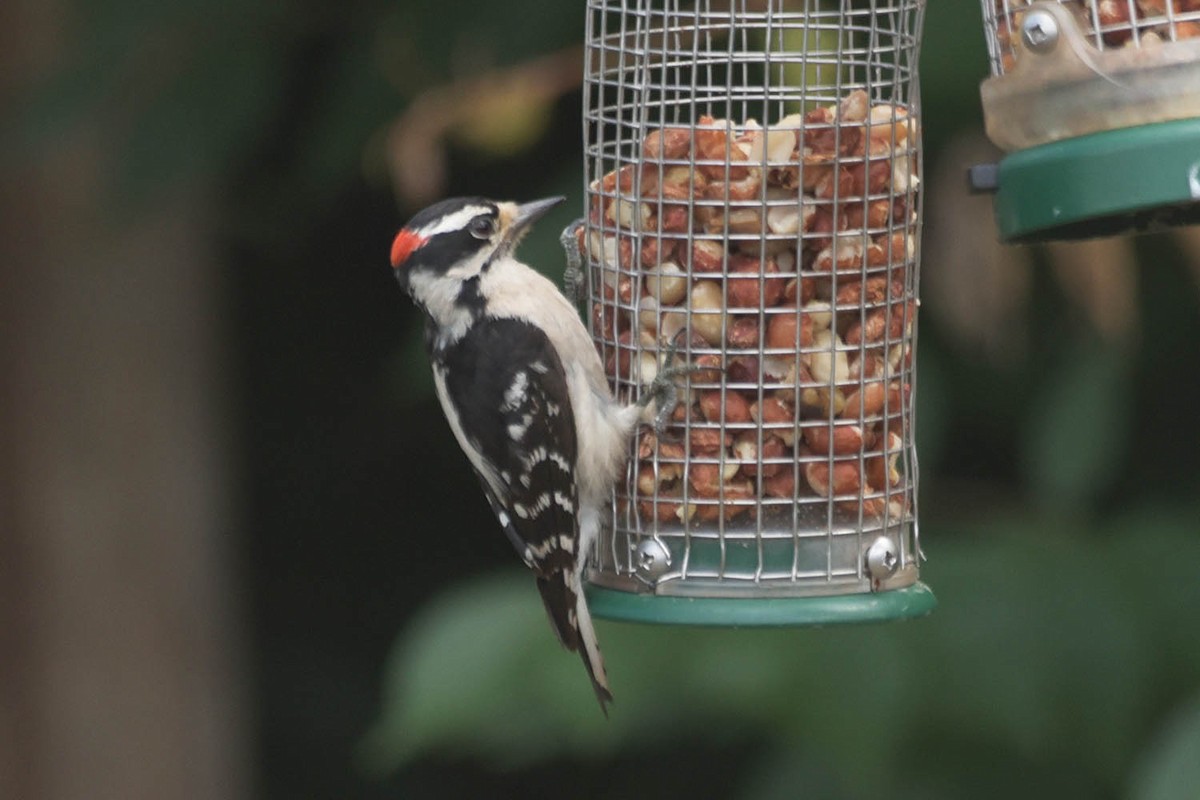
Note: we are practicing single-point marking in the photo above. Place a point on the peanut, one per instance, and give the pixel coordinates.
(796, 305)
(736, 410)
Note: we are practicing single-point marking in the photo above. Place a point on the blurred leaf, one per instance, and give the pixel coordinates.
(1043, 652)
(506, 122)
(1037, 646)
(1159, 575)
(478, 671)
(1077, 436)
(497, 112)
(783, 771)
(1170, 769)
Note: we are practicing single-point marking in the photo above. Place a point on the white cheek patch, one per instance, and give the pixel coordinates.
(469, 268)
(440, 299)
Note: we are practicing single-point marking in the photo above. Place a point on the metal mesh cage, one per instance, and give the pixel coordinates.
(752, 185)
(1108, 24)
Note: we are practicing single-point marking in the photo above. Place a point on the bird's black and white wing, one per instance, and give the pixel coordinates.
(505, 393)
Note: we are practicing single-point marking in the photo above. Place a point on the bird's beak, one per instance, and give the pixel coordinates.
(527, 214)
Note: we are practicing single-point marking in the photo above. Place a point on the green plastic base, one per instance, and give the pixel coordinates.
(911, 601)
(1131, 179)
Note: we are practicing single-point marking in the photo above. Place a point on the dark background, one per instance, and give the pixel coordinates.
(241, 555)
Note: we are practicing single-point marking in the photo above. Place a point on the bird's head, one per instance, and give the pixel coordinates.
(447, 246)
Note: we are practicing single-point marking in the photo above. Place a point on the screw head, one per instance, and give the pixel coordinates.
(1039, 31)
(651, 559)
(883, 558)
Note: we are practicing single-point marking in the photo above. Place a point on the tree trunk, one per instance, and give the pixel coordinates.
(119, 654)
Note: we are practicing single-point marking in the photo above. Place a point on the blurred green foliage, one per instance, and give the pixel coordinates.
(1074, 449)
(1169, 768)
(1046, 667)
(1059, 490)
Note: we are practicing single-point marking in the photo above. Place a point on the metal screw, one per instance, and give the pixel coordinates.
(651, 559)
(882, 558)
(1039, 31)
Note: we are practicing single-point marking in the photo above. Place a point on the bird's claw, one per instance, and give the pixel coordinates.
(663, 391)
(574, 277)
(668, 399)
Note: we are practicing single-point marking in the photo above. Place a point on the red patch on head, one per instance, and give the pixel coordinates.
(406, 241)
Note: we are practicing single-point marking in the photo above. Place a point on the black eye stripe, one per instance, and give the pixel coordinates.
(444, 251)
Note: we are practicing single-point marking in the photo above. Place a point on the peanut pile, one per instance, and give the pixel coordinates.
(778, 261)
(1115, 20)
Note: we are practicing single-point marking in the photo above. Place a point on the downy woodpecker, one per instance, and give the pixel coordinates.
(525, 394)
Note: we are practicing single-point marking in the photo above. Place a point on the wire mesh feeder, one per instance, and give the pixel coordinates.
(1101, 101)
(752, 185)
(1106, 24)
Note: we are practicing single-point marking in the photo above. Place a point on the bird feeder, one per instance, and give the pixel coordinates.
(1098, 104)
(753, 193)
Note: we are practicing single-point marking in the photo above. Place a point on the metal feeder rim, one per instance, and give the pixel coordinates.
(916, 600)
(1125, 180)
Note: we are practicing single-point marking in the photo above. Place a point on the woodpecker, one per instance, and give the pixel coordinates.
(525, 394)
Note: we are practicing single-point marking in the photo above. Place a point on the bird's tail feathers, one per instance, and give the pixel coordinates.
(572, 623)
(589, 651)
(560, 600)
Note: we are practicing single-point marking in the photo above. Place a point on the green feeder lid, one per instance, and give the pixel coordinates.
(915, 600)
(1126, 180)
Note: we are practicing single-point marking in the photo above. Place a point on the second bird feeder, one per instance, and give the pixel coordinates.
(753, 188)
(1098, 104)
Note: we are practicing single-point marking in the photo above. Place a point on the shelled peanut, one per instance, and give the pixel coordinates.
(778, 261)
(1116, 21)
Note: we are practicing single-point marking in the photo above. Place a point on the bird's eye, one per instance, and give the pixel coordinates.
(481, 227)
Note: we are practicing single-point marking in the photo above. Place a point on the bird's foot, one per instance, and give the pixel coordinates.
(574, 277)
(663, 391)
